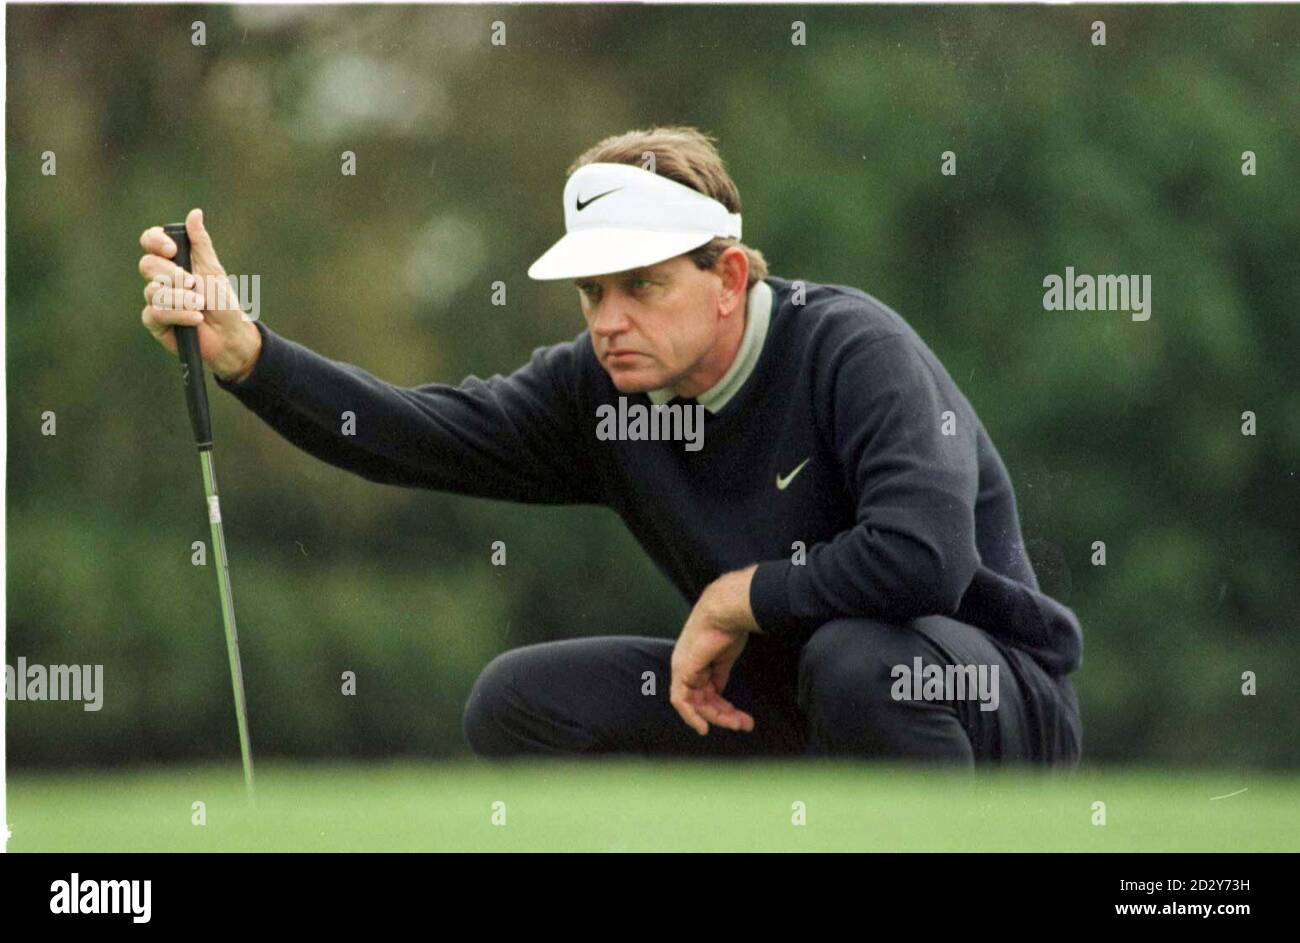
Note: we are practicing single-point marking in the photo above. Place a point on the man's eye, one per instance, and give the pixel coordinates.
(639, 284)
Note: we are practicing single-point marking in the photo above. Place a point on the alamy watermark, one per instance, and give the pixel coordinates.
(56, 683)
(77, 896)
(220, 293)
(946, 683)
(1085, 292)
(636, 422)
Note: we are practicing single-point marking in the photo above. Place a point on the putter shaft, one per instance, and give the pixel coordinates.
(228, 612)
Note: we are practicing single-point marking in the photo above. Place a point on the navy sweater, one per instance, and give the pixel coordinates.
(904, 506)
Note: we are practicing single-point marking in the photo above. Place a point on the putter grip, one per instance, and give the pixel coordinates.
(187, 348)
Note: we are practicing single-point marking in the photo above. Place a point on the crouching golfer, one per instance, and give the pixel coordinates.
(792, 456)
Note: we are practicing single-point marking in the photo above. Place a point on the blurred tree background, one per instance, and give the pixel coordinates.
(1124, 158)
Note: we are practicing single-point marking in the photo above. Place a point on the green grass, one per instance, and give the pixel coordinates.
(629, 805)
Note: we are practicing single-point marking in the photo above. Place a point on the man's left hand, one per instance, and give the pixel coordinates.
(712, 639)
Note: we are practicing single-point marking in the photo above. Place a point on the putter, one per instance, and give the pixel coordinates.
(196, 398)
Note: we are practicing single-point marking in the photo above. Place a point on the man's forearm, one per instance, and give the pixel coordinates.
(863, 574)
(511, 438)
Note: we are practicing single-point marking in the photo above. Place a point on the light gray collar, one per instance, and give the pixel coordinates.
(758, 315)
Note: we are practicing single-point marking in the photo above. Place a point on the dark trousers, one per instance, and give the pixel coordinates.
(837, 694)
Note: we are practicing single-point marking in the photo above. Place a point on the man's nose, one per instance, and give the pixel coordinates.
(608, 316)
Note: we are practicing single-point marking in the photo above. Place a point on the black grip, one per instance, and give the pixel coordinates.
(187, 347)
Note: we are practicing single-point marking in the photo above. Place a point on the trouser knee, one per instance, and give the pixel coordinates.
(488, 709)
(845, 689)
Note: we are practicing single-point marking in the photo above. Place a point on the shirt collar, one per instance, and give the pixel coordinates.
(758, 315)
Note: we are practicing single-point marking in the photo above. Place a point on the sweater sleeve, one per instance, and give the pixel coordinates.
(514, 438)
(910, 460)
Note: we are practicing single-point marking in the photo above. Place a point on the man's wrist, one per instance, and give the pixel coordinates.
(245, 363)
(729, 601)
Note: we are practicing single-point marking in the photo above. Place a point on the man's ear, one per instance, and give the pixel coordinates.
(733, 268)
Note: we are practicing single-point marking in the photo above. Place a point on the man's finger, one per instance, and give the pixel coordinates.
(155, 241)
(202, 253)
(680, 699)
(733, 719)
(162, 295)
(154, 266)
(164, 311)
(168, 299)
(716, 709)
(161, 331)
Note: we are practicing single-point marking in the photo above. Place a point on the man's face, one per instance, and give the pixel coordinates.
(653, 327)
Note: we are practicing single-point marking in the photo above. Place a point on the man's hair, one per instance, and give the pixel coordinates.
(691, 158)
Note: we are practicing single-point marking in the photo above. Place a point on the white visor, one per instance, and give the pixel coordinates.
(619, 217)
